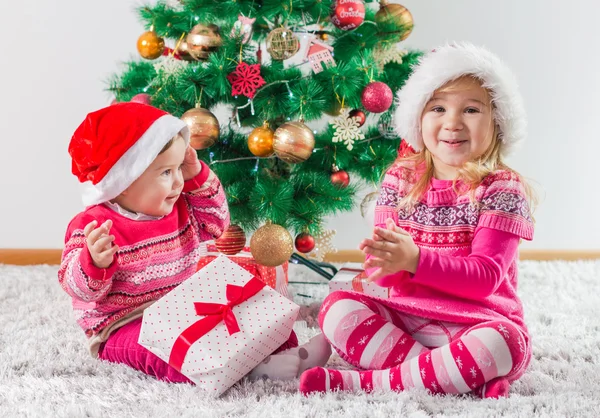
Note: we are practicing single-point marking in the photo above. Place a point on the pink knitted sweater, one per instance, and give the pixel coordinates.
(467, 270)
(154, 257)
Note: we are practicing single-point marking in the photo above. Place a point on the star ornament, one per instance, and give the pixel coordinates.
(245, 80)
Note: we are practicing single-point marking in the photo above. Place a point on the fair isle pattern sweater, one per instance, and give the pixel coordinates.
(443, 224)
(154, 257)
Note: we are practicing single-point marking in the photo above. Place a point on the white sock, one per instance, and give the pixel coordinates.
(291, 363)
(278, 366)
(314, 353)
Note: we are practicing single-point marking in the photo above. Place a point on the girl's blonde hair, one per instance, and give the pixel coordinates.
(472, 173)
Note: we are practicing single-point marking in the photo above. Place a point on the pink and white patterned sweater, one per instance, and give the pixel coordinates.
(467, 271)
(154, 257)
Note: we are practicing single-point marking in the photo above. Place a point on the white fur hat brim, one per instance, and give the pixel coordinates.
(450, 62)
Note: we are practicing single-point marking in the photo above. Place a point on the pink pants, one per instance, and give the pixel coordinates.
(122, 347)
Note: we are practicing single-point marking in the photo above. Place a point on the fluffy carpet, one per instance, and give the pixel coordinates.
(45, 369)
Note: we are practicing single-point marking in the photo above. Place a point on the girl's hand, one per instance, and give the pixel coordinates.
(100, 244)
(191, 165)
(392, 250)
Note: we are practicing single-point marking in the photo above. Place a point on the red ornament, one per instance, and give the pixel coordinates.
(245, 80)
(305, 242)
(377, 97)
(359, 115)
(142, 98)
(348, 14)
(232, 241)
(340, 177)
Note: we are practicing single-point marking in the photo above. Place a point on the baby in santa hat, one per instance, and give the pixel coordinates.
(149, 204)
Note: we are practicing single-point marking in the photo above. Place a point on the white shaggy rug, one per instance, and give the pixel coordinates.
(46, 371)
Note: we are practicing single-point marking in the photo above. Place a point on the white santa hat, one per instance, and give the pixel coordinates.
(113, 146)
(448, 63)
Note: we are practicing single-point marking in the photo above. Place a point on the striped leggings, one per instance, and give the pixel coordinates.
(400, 351)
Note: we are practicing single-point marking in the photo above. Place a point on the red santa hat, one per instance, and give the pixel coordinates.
(448, 63)
(113, 147)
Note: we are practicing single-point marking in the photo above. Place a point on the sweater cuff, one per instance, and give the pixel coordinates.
(519, 227)
(87, 264)
(393, 280)
(195, 183)
(425, 264)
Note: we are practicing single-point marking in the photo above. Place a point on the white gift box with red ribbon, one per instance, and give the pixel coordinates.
(351, 276)
(218, 325)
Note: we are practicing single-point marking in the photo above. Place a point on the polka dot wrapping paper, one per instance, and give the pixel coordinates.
(218, 325)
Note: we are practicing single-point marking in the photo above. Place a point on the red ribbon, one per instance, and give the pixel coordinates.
(214, 314)
(357, 284)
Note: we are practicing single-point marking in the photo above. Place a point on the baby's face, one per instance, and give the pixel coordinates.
(158, 188)
(457, 126)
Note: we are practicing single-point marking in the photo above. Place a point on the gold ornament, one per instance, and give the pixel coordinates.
(260, 141)
(335, 109)
(293, 142)
(204, 127)
(393, 12)
(150, 45)
(271, 245)
(282, 44)
(202, 40)
(323, 35)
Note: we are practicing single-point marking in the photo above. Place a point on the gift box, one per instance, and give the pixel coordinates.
(351, 276)
(218, 325)
(275, 277)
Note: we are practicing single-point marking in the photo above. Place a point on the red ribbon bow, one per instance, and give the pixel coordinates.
(214, 314)
(357, 280)
(357, 283)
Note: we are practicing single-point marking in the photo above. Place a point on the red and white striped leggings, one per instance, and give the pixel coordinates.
(411, 351)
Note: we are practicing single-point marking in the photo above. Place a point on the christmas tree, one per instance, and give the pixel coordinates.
(283, 169)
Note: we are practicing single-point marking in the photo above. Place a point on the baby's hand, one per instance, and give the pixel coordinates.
(392, 250)
(100, 244)
(191, 165)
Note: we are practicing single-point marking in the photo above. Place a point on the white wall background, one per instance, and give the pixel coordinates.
(57, 56)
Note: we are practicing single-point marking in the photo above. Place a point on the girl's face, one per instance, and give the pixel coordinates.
(457, 126)
(158, 188)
